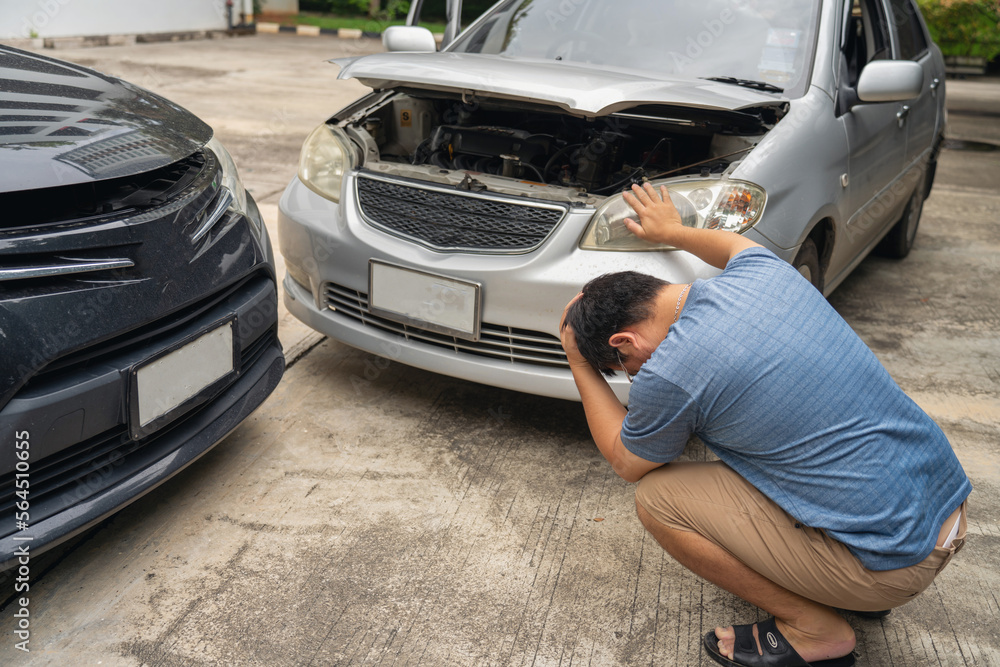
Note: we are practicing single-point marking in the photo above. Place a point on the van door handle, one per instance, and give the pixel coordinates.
(934, 86)
(901, 115)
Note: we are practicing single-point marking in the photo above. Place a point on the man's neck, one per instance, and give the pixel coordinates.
(669, 305)
(669, 302)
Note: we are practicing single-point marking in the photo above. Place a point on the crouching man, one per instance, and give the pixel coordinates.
(834, 489)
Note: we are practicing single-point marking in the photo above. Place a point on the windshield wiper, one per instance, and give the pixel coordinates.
(746, 83)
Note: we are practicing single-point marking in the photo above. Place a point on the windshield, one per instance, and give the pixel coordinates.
(769, 41)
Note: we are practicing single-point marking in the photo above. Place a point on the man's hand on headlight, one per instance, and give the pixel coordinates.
(658, 217)
(660, 222)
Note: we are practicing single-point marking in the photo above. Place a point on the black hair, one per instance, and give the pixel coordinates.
(609, 304)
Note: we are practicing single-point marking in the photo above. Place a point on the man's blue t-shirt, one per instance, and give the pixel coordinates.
(778, 386)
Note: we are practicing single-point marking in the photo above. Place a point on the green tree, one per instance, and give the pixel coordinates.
(964, 27)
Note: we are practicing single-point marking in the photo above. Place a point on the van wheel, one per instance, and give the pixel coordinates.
(899, 241)
(807, 264)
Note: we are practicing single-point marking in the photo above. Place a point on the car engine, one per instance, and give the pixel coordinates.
(597, 156)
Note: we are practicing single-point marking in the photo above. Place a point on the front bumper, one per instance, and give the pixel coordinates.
(85, 480)
(327, 248)
(529, 378)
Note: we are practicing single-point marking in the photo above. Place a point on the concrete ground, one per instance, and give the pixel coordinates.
(370, 513)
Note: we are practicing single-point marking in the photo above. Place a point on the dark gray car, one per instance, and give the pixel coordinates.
(138, 305)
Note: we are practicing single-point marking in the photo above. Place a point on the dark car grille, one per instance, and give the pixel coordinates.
(67, 470)
(136, 338)
(496, 341)
(89, 203)
(453, 221)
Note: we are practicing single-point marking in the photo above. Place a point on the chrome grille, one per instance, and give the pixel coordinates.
(495, 341)
(453, 221)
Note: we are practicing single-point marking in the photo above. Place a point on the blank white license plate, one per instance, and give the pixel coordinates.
(426, 300)
(178, 376)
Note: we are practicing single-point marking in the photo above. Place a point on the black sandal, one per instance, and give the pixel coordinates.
(773, 650)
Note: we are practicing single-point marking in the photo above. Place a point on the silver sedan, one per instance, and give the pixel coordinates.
(445, 219)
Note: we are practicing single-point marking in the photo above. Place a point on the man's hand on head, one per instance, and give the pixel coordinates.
(605, 413)
(568, 337)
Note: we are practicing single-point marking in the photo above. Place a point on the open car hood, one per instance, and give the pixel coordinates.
(576, 88)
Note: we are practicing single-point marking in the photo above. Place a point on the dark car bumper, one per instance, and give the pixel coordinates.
(142, 474)
(77, 486)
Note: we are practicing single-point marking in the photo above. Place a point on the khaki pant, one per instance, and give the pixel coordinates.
(714, 501)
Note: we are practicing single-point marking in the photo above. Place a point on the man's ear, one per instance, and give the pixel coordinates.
(623, 341)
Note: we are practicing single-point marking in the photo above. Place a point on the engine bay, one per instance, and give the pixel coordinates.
(439, 136)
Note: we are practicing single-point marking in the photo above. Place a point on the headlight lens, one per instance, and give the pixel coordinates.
(230, 176)
(230, 180)
(734, 206)
(326, 156)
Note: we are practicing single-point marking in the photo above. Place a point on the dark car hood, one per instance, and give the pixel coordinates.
(62, 124)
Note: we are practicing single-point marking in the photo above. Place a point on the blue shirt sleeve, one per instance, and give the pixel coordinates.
(661, 417)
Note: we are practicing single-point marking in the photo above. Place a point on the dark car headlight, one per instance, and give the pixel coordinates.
(231, 181)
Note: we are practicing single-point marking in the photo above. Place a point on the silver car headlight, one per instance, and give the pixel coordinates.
(734, 206)
(326, 156)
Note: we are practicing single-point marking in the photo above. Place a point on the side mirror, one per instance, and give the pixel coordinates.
(890, 81)
(408, 38)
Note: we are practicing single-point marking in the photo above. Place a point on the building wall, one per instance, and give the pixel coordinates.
(65, 18)
(280, 6)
